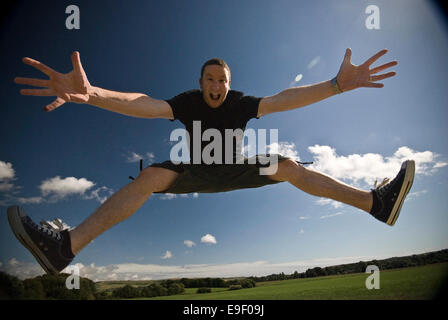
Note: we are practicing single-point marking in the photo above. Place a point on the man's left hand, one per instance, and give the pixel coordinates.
(351, 76)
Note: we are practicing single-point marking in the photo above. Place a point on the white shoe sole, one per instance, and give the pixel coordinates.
(15, 221)
(409, 166)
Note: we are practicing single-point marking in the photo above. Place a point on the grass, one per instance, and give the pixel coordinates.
(417, 283)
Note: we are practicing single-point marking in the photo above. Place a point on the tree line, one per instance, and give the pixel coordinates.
(163, 288)
(47, 287)
(361, 266)
(54, 287)
(170, 287)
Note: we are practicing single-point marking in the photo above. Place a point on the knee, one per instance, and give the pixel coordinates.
(155, 179)
(288, 164)
(147, 173)
(287, 169)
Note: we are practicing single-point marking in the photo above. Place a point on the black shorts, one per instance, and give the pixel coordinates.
(213, 178)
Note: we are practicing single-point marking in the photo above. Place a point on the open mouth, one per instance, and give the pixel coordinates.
(215, 97)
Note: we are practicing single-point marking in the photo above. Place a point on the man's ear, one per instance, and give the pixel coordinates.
(200, 82)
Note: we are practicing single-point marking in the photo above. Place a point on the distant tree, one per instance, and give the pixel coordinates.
(34, 290)
(361, 267)
(247, 283)
(310, 273)
(235, 287)
(11, 287)
(127, 292)
(55, 288)
(175, 288)
(319, 272)
(204, 290)
(154, 290)
(217, 283)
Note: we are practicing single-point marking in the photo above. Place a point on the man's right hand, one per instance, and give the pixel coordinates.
(69, 87)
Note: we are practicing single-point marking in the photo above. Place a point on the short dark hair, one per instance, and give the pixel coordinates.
(215, 61)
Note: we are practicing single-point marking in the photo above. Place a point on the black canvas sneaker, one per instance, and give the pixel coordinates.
(388, 199)
(51, 247)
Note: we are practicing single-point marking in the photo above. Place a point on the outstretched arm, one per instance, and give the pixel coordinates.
(75, 87)
(348, 78)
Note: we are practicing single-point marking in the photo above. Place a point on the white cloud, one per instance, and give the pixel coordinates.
(99, 194)
(168, 196)
(52, 189)
(22, 270)
(440, 165)
(286, 149)
(61, 188)
(370, 166)
(6, 170)
(150, 157)
(208, 239)
(56, 189)
(237, 269)
(313, 62)
(189, 243)
(298, 77)
(129, 271)
(334, 204)
(167, 255)
(413, 195)
(7, 174)
(134, 157)
(6, 186)
(332, 215)
(33, 200)
(296, 80)
(171, 196)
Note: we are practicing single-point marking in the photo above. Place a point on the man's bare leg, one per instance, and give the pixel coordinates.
(321, 185)
(121, 205)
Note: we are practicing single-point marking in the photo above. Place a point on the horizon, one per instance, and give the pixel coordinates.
(305, 266)
(329, 266)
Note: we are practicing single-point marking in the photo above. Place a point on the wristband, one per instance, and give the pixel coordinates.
(335, 85)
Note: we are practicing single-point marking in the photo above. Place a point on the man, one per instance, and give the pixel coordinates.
(216, 107)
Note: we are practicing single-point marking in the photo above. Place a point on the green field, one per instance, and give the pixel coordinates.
(409, 283)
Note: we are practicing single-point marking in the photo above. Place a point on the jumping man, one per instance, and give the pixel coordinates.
(217, 107)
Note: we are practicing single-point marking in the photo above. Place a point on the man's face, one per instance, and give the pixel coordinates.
(215, 84)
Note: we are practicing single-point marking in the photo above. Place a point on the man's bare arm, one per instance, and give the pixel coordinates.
(348, 78)
(75, 87)
(130, 104)
(294, 98)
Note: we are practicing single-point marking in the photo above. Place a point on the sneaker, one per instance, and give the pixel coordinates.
(51, 248)
(389, 198)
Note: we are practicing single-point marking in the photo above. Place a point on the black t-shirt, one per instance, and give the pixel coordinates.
(233, 114)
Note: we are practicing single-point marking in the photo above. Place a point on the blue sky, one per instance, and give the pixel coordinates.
(64, 163)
